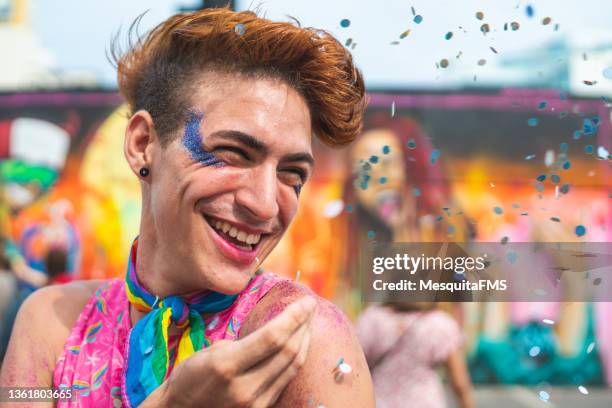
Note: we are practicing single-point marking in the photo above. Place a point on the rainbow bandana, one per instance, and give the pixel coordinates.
(148, 360)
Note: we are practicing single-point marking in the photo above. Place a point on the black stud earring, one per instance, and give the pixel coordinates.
(144, 172)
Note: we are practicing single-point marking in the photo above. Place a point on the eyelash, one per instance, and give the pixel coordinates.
(300, 172)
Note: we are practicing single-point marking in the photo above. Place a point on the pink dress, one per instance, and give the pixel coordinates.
(403, 351)
(93, 358)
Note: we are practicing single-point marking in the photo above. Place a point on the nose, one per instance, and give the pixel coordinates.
(258, 195)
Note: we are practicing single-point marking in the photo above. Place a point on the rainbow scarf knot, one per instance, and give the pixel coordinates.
(148, 362)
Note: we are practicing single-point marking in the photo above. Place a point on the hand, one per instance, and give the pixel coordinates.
(250, 372)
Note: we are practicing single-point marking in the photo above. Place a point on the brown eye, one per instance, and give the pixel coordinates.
(231, 152)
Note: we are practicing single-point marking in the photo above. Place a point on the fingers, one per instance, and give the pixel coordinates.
(262, 375)
(271, 337)
(270, 395)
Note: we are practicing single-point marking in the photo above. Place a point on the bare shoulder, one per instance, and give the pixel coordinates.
(333, 339)
(42, 326)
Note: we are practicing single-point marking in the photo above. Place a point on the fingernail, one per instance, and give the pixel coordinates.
(308, 304)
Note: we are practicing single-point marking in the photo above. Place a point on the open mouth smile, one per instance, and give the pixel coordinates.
(234, 241)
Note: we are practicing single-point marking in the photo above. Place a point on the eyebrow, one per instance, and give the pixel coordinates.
(253, 143)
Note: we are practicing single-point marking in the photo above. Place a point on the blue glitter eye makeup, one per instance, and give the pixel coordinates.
(192, 141)
(298, 189)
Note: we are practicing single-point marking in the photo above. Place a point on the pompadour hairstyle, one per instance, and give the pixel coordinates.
(157, 70)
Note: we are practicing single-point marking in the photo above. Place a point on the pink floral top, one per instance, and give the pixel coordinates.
(403, 350)
(94, 355)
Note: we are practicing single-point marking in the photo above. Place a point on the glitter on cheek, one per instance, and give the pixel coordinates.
(192, 141)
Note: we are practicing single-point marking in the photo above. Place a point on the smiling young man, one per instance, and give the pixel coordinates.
(224, 106)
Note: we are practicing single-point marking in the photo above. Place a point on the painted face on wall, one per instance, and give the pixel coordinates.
(225, 190)
(378, 159)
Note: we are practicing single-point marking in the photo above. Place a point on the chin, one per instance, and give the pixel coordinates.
(230, 280)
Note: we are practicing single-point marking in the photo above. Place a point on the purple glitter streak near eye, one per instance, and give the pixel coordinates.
(192, 141)
(298, 189)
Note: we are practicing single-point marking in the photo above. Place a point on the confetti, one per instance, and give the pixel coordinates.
(386, 149)
(567, 165)
(511, 256)
(515, 26)
(532, 122)
(435, 154)
(583, 390)
(479, 15)
(590, 347)
(411, 144)
(529, 10)
(516, 205)
(588, 149)
(404, 34)
(448, 35)
(584, 56)
(534, 351)
(393, 109)
(544, 396)
(418, 19)
(348, 42)
(371, 234)
(382, 180)
(602, 152)
(555, 178)
(373, 159)
(345, 23)
(413, 12)
(565, 188)
(482, 62)
(541, 177)
(555, 219)
(333, 208)
(548, 321)
(444, 63)
(498, 210)
(580, 230)
(596, 281)
(240, 29)
(563, 147)
(485, 28)
(589, 83)
(297, 276)
(542, 105)
(546, 21)
(504, 240)
(493, 49)
(530, 157)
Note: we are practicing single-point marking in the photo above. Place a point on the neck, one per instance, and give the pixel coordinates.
(156, 270)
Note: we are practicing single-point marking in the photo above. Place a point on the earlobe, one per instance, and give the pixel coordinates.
(140, 136)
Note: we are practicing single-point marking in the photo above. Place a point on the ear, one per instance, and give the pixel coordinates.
(140, 140)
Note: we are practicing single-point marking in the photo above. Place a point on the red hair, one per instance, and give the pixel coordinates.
(156, 72)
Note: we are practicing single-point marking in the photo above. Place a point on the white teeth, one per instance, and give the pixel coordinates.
(234, 232)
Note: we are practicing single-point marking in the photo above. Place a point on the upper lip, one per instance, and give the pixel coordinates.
(240, 226)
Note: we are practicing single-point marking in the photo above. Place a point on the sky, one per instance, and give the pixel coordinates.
(79, 32)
